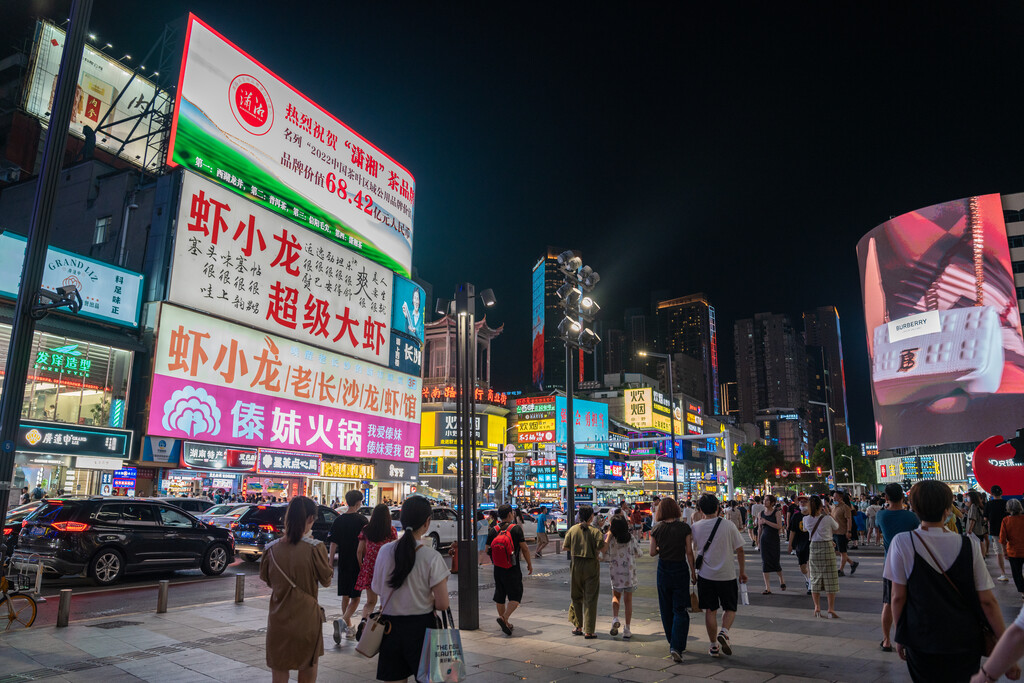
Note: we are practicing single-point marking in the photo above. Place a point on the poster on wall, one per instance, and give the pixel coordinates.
(943, 327)
(239, 261)
(238, 124)
(100, 81)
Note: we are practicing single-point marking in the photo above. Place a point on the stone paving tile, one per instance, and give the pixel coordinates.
(743, 676)
(646, 662)
(598, 667)
(644, 676)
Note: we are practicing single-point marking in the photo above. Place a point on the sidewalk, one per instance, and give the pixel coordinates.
(775, 638)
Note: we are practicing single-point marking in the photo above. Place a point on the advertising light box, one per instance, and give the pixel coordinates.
(100, 80)
(407, 308)
(589, 424)
(237, 123)
(109, 293)
(216, 379)
(943, 326)
(241, 262)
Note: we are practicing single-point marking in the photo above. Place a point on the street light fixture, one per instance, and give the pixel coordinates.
(671, 419)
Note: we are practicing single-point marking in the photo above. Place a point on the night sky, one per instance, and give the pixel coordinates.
(736, 149)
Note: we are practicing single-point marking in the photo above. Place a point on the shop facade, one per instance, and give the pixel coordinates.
(438, 466)
(338, 476)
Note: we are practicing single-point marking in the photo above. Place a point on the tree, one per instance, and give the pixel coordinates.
(863, 468)
(755, 463)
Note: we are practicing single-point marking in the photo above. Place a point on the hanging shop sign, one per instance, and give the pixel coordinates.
(125, 478)
(239, 261)
(395, 471)
(346, 470)
(590, 424)
(240, 125)
(270, 461)
(58, 439)
(204, 456)
(199, 348)
(110, 294)
(447, 429)
(405, 356)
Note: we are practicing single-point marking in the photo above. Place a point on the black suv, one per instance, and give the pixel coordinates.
(106, 537)
(262, 524)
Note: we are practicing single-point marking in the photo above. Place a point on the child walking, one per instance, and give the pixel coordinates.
(621, 550)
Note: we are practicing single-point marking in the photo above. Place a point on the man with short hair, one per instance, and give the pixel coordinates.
(995, 511)
(542, 531)
(891, 521)
(843, 515)
(24, 496)
(715, 540)
(508, 581)
(344, 540)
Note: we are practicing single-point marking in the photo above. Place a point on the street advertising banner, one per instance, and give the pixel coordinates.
(943, 325)
(100, 80)
(590, 423)
(212, 379)
(407, 308)
(238, 124)
(238, 261)
(109, 293)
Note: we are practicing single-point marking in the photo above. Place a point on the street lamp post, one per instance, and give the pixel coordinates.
(671, 421)
(828, 424)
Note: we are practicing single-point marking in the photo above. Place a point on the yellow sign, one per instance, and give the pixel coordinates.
(536, 425)
(639, 411)
(347, 470)
(662, 422)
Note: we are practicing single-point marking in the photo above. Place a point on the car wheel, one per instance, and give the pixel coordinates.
(106, 567)
(435, 542)
(216, 560)
(249, 557)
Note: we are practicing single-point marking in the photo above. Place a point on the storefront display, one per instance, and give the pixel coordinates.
(338, 477)
(393, 481)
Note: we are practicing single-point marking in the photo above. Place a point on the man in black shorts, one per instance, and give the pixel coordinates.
(508, 580)
(344, 539)
(716, 541)
(800, 539)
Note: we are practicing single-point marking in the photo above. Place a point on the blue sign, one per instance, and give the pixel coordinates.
(590, 423)
(407, 308)
(405, 355)
(125, 478)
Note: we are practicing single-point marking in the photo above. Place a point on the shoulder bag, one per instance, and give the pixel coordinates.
(376, 627)
(699, 561)
(323, 615)
(988, 636)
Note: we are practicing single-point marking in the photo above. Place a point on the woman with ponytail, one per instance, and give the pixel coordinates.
(412, 581)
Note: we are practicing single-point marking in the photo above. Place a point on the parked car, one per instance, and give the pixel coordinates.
(261, 524)
(193, 505)
(444, 527)
(105, 538)
(12, 524)
(225, 514)
(396, 512)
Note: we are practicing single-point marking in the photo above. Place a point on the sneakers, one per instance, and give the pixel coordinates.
(626, 633)
(615, 628)
(853, 567)
(350, 633)
(842, 573)
(337, 631)
(714, 651)
(676, 656)
(1002, 577)
(723, 640)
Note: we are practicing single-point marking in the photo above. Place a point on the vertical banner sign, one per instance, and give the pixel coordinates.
(239, 261)
(237, 123)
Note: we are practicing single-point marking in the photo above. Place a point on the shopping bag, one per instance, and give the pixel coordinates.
(442, 659)
(694, 600)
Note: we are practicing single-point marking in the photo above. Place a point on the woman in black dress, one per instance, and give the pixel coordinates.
(770, 522)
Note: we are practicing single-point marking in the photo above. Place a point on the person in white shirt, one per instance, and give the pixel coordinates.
(822, 560)
(687, 508)
(940, 589)
(1005, 654)
(412, 581)
(755, 512)
(714, 541)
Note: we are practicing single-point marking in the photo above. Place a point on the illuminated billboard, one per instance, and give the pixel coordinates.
(538, 325)
(590, 424)
(238, 124)
(943, 326)
(647, 409)
(100, 81)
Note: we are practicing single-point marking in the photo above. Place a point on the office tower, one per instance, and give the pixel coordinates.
(687, 325)
(825, 355)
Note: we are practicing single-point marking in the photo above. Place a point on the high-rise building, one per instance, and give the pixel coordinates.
(637, 324)
(687, 325)
(771, 369)
(730, 399)
(825, 357)
(614, 342)
(548, 349)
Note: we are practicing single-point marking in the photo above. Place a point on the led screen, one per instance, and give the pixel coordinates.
(538, 325)
(943, 326)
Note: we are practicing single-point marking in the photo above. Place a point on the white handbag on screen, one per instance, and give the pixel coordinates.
(962, 348)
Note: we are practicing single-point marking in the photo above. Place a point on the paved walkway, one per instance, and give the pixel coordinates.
(775, 638)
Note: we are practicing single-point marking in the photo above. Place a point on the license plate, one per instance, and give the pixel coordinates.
(244, 534)
(36, 531)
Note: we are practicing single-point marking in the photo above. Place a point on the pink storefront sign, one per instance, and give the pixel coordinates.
(180, 408)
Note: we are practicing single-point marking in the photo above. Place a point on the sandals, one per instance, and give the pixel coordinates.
(578, 632)
(817, 613)
(766, 592)
(783, 586)
(832, 615)
(590, 636)
(884, 648)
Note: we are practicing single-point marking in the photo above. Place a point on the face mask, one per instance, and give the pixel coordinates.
(804, 509)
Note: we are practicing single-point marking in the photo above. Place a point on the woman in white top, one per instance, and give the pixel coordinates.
(872, 528)
(822, 562)
(412, 581)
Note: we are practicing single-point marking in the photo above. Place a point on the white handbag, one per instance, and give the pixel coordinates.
(961, 349)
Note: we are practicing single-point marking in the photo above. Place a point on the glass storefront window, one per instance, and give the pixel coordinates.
(73, 381)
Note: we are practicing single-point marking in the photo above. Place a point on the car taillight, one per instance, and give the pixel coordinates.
(233, 525)
(269, 527)
(8, 531)
(70, 526)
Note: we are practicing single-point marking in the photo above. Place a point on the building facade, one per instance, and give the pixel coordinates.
(687, 325)
(823, 339)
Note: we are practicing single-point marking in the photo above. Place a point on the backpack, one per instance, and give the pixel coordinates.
(503, 549)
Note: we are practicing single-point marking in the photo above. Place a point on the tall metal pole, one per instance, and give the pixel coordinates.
(469, 598)
(672, 430)
(570, 443)
(23, 326)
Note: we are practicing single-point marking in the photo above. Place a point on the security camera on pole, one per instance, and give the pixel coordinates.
(580, 310)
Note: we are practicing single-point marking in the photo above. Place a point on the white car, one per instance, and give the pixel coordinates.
(444, 527)
(225, 514)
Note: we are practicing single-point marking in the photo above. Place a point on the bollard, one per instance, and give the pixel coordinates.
(558, 546)
(39, 581)
(161, 596)
(239, 587)
(64, 607)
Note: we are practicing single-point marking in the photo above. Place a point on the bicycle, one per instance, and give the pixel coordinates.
(17, 607)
